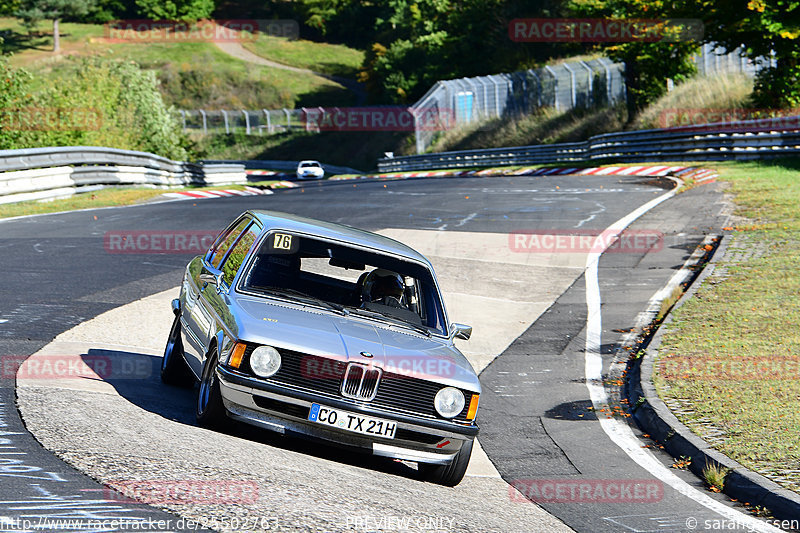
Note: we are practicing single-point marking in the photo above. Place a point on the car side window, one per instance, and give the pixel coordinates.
(226, 243)
(238, 252)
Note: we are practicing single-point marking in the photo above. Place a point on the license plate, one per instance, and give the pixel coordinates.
(365, 425)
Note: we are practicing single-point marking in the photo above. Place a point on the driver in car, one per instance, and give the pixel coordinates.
(385, 287)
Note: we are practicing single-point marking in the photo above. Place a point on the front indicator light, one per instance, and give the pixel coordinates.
(473, 407)
(237, 355)
(265, 361)
(449, 402)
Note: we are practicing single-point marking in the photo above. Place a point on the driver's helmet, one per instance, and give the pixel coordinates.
(384, 286)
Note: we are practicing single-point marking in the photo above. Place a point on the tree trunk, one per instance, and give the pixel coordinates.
(56, 37)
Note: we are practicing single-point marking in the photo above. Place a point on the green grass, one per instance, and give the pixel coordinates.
(723, 92)
(109, 197)
(193, 75)
(739, 323)
(333, 59)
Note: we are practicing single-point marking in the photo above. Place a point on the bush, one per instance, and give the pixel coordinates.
(92, 101)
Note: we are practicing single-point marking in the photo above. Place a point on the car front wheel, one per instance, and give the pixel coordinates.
(451, 474)
(210, 411)
(174, 370)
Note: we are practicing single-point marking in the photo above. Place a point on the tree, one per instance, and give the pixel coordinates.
(33, 11)
(767, 29)
(185, 10)
(648, 65)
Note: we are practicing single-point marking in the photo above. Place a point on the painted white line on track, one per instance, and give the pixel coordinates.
(619, 432)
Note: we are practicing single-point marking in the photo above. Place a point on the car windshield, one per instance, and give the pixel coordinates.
(371, 285)
(309, 165)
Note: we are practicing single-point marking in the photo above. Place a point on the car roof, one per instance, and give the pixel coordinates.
(339, 232)
(308, 161)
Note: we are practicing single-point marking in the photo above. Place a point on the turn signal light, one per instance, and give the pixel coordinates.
(473, 407)
(237, 355)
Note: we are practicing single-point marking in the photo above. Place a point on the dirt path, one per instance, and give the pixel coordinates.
(236, 50)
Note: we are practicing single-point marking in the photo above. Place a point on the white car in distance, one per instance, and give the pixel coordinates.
(310, 170)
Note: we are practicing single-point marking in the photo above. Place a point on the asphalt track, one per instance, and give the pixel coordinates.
(534, 417)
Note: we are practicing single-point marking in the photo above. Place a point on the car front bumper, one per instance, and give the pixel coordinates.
(284, 410)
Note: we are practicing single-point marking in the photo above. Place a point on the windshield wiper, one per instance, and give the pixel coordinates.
(394, 319)
(300, 296)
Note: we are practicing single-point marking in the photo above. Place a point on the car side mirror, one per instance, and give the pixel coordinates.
(211, 275)
(461, 331)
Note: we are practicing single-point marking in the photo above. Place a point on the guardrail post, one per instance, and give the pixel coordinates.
(205, 122)
(269, 122)
(183, 119)
(246, 122)
(590, 84)
(555, 86)
(572, 95)
(225, 118)
(288, 119)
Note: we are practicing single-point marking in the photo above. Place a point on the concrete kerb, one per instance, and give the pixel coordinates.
(654, 417)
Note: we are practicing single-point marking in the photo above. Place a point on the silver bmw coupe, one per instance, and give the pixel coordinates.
(329, 332)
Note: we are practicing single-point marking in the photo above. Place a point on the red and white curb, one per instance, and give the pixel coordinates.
(698, 174)
(197, 195)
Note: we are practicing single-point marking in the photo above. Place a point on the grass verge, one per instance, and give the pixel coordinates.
(731, 353)
(110, 197)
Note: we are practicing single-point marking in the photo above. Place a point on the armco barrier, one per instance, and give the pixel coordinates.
(38, 173)
(748, 139)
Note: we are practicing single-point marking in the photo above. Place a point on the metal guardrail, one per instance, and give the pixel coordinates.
(748, 139)
(39, 173)
(289, 166)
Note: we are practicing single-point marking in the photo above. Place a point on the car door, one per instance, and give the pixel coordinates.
(198, 313)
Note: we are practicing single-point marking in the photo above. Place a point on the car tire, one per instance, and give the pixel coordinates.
(174, 370)
(209, 410)
(449, 475)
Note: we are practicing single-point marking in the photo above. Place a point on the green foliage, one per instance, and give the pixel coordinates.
(185, 10)
(765, 27)
(95, 102)
(33, 11)
(647, 64)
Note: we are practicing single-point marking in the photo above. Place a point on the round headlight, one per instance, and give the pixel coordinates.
(265, 361)
(449, 402)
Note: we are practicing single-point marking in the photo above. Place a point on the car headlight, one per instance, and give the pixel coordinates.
(449, 402)
(265, 361)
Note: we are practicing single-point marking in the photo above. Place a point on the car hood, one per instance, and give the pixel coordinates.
(313, 331)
